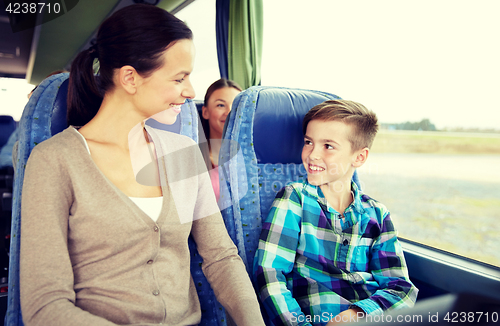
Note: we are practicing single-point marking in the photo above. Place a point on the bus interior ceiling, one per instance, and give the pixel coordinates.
(34, 53)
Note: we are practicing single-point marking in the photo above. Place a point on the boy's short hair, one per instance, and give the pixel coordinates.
(364, 121)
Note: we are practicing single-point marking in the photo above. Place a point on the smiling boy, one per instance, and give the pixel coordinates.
(327, 251)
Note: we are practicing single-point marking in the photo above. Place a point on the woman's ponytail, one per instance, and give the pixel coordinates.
(84, 97)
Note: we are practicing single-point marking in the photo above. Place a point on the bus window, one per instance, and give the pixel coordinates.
(431, 64)
(206, 69)
(14, 96)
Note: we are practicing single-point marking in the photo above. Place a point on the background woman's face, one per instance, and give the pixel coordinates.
(217, 109)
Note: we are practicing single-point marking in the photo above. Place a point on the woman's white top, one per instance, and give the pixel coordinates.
(149, 205)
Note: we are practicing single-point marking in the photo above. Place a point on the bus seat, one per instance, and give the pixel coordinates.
(265, 125)
(34, 127)
(6, 184)
(6, 151)
(45, 116)
(7, 127)
(199, 106)
(204, 122)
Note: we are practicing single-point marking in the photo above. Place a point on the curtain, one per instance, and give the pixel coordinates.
(221, 32)
(243, 50)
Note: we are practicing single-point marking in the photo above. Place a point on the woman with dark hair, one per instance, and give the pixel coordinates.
(216, 106)
(100, 246)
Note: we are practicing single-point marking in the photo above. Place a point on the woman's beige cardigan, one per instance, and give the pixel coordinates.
(90, 256)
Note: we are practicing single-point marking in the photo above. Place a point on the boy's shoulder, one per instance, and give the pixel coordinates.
(373, 207)
(291, 189)
(302, 193)
(299, 188)
(297, 185)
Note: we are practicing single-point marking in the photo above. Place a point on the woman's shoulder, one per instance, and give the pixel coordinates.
(63, 143)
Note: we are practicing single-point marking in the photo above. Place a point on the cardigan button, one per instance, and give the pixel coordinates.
(156, 292)
(156, 228)
(150, 261)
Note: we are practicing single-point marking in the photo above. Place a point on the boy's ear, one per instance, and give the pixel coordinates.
(129, 79)
(204, 112)
(360, 157)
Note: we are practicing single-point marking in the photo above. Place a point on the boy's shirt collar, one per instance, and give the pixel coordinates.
(317, 194)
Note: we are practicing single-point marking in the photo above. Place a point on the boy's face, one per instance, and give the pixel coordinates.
(327, 154)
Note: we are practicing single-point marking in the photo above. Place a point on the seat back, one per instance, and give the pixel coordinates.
(34, 127)
(7, 127)
(266, 124)
(45, 116)
(6, 151)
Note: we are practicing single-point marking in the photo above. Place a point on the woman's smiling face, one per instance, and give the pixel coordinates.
(162, 93)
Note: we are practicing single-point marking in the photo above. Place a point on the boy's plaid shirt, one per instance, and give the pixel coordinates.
(311, 262)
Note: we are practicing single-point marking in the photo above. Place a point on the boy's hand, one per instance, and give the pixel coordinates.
(346, 316)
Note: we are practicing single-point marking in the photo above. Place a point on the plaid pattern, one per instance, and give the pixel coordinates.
(312, 264)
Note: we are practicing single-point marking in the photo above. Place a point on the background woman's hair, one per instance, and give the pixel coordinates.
(218, 84)
(136, 35)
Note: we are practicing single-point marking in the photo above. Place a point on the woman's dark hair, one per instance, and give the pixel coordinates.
(136, 35)
(218, 84)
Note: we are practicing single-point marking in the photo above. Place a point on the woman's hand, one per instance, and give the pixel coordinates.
(346, 316)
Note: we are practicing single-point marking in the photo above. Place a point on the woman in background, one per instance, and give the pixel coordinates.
(217, 105)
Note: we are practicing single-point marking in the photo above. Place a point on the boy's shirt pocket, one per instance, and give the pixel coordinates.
(360, 248)
(335, 243)
(353, 250)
